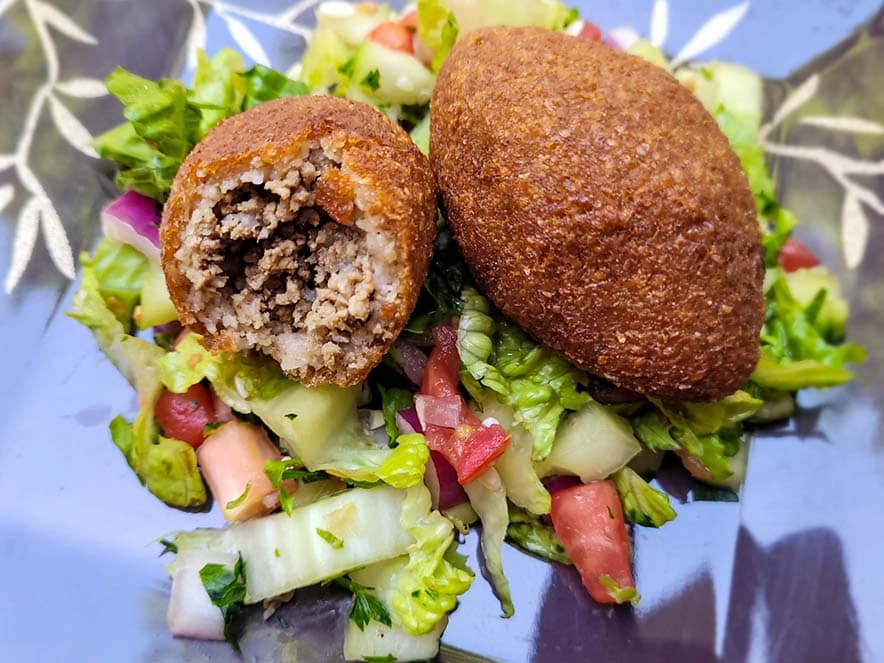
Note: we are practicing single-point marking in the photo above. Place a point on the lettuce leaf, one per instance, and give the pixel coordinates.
(393, 400)
(166, 119)
(710, 432)
(166, 466)
(488, 499)
(536, 383)
(795, 352)
(515, 467)
(528, 532)
(437, 29)
(120, 271)
(427, 587)
(642, 503)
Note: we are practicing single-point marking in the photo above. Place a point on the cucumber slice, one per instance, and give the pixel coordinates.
(592, 444)
(156, 306)
(472, 14)
(383, 76)
(327, 52)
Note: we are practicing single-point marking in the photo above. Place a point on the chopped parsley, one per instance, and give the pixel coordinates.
(168, 546)
(372, 80)
(227, 590)
(289, 469)
(232, 504)
(330, 538)
(291, 416)
(366, 606)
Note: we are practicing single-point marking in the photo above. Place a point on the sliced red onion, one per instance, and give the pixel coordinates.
(414, 361)
(431, 481)
(407, 421)
(439, 411)
(132, 219)
(173, 327)
(451, 493)
(560, 482)
(621, 38)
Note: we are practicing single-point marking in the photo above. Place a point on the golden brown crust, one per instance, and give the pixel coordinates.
(394, 183)
(599, 206)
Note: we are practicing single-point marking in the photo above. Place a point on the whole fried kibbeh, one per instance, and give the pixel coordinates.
(598, 205)
(302, 228)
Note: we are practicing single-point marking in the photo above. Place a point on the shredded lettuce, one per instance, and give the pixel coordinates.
(166, 119)
(537, 384)
(642, 503)
(516, 470)
(795, 352)
(166, 466)
(527, 531)
(319, 425)
(437, 29)
(710, 432)
(425, 590)
(120, 271)
(488, 498)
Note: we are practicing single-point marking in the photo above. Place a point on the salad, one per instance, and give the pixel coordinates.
(466, 422)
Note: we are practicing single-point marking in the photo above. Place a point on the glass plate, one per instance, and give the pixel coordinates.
(792, 572)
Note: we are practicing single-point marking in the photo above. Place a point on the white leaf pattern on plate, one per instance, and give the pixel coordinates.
(56, 239)
(23, 243)
(82, 88)
(794, 101)
(854, 231)
(196, 35)
(63, 23)
(711, 33)
(855, 125)
(6, 194)
(70, 127)
(659, 22)
(246, 40)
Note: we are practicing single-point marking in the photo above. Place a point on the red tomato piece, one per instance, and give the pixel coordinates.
(794, 256)
(184, 416)
(442, 372)
(589, 521)
(469, 449)
(392, 35)
(590, 31)
(409, 20)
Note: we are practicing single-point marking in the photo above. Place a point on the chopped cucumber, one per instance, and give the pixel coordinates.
(647, 51)
(351, 22)
(191, 613)
(326, 53)
(282, 552)
(156, 306)
(735, 88)
(421, 135)
(592, 444)
(379, 640)
(382, 76)
(472, 14)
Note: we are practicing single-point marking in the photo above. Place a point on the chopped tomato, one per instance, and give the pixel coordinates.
(794, 256)
(589, 521)
(445, 411)
(443, 366)
(590, 31)
(469, 449)
(409, 20)
(394, 36)
(184, 416)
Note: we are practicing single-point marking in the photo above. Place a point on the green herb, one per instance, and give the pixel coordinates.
(393, 400)
(227, 590)
(642, 504)
(168, 547)
(330, 538)
(618, 593)
(276, 552)
(527, 531)
(289, 469)
(291, 416)
(211, 427)
(232, 504)
(366, 606)
(346, 69)
(372, 80)
(389, 658)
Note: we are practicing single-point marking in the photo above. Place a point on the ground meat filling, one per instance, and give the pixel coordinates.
(270, 264)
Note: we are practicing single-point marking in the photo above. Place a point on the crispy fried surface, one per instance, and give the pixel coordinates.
(379, 179)
(598, 205)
